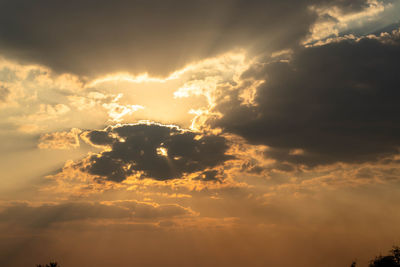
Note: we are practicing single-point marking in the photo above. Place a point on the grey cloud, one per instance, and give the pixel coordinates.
(337, 102)
(140, 148)
(157, 36)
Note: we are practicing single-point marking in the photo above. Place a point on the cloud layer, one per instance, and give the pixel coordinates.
(155, 36)
(44, 215)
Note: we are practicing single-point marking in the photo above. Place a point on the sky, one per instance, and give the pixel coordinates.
(199, 133)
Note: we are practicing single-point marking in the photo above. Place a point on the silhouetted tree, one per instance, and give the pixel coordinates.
(51, 264)
(391, 260)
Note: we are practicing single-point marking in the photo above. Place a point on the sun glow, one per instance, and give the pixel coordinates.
(223, 61)
(162, 151)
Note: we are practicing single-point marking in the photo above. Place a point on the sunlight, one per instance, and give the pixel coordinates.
(162, 151)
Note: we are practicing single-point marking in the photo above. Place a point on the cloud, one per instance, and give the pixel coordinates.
(153, 150)
(145, 210)
(4, 92)
(60, 140)
(332, 102)
(117, 111)
(212, 175)
(37, 121)
(150, 36)
(46, 96)
(46, 214)
(333, 21)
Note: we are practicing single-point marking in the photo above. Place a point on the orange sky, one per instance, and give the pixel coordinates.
(196, 133)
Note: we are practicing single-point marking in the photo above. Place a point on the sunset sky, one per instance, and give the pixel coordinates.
(199, 133)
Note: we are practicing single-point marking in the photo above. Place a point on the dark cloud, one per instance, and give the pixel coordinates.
(158, 151)
(330, 103)
(156, 36)
(101, 138)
